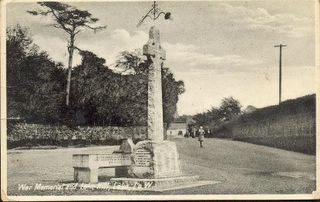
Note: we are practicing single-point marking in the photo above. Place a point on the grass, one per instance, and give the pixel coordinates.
(242, 168)
(290, 125)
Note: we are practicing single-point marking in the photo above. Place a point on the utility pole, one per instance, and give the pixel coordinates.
(280, 68)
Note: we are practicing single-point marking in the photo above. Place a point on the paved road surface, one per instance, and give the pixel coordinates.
(245, 168)
(242, 168)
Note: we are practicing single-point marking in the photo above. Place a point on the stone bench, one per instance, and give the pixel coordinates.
(86, 166)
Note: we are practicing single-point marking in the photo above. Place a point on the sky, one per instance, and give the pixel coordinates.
(218, 48)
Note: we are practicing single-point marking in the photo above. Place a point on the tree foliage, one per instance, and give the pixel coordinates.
(34, 87)
(132, 61)
(100, 95)
(105, 97)
(171, 89)
(72, 21)
(228, 110)
(68, 18)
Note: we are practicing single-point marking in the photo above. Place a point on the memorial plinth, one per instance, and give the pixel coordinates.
(152, 159)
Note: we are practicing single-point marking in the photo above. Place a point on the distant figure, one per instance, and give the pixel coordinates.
(194, 133)
(201, 136)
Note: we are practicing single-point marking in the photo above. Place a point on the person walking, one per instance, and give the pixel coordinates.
(201, 136)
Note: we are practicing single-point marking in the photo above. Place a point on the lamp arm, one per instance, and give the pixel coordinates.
(160, 14)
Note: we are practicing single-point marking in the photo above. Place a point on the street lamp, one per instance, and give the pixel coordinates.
(154, 14)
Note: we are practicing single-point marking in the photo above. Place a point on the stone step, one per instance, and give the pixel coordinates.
(158, 184)
(155, 183)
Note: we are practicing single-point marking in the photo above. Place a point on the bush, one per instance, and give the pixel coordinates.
(31, 135)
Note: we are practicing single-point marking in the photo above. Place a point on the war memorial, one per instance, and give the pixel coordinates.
(99, 108)
(154, 161)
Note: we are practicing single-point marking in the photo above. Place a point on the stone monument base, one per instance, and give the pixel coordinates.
(155, 166)
(155, 159)
(146, 166)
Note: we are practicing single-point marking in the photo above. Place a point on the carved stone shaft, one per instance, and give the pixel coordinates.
(155, 158)
(156, 54)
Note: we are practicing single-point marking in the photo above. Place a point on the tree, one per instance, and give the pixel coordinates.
(212, 117)
(106, 97)
(132, 61)
(229, 108)
(87, 86)
(72, 21)
(171, 88)
(18, 45)
(33, 80)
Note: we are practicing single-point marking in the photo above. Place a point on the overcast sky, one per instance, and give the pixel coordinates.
(218, 48)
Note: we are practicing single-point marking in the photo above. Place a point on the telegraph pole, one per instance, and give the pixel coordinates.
(280, 68)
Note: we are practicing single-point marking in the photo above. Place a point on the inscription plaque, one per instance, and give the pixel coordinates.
(112, 160)
(142, 158)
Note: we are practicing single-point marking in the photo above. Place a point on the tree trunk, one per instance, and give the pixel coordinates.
(70, 50)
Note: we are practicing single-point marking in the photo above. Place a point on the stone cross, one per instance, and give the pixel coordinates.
(156, 55)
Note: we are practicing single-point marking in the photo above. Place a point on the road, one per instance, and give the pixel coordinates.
(244, 168)
(241, 168)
